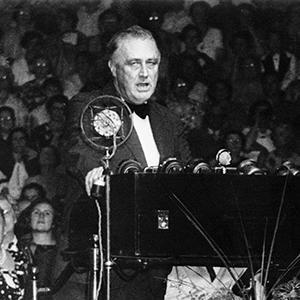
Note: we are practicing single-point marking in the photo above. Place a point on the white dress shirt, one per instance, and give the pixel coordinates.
(145, 134)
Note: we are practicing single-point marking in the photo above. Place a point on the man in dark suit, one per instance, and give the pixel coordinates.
(157, 134)
(278, 60)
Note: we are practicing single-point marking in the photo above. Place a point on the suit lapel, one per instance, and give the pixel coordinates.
(134, 146)
(160, 133)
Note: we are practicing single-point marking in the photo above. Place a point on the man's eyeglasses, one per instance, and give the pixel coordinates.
(5, 119)
(41, 64)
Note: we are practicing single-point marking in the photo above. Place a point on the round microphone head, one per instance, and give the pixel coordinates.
(106, 122)
(223, 157)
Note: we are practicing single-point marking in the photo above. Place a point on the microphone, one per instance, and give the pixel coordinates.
(223, 157)
(107, 122)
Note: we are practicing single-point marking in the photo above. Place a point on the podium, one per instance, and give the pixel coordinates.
(147, 223)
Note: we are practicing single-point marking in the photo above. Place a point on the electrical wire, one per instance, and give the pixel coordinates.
(100, 248)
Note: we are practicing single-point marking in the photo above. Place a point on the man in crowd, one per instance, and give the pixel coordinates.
(157, 135)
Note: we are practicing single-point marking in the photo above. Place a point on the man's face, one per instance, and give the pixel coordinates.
(134, 66)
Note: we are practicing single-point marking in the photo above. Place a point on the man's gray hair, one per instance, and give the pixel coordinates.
(133, 31)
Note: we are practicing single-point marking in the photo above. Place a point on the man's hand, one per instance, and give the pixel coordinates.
(92, 177)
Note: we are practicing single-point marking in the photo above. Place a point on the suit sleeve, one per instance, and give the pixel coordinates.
(80, 157)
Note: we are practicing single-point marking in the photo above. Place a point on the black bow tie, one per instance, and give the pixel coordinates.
(141, 110)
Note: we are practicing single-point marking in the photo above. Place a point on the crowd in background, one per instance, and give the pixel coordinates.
(230, 73)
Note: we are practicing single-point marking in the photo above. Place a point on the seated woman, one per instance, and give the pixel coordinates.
(12, 260)
(41, 244)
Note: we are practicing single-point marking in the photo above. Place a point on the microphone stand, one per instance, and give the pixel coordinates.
(108, 263)
(94, 253)
(107, 121)
(34, 273)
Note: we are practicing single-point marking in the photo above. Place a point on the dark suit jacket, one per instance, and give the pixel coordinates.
(284, 64)
(168, 135)
(167, 132)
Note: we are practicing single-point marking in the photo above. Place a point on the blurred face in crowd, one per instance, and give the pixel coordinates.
(47, 157)
(109, 24)
(134, 66)
(5, 80)
(234, 142)
(18, 142)
(41, 67)
(246, 15)
(199, 13)
(220, 91)
(23, 16)
(31, 194)
(7, 122)
(42, 217)
(250, 68)
(154, 21)
(191, 39)
(181, 89)
(57, 112)
(52, 90)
